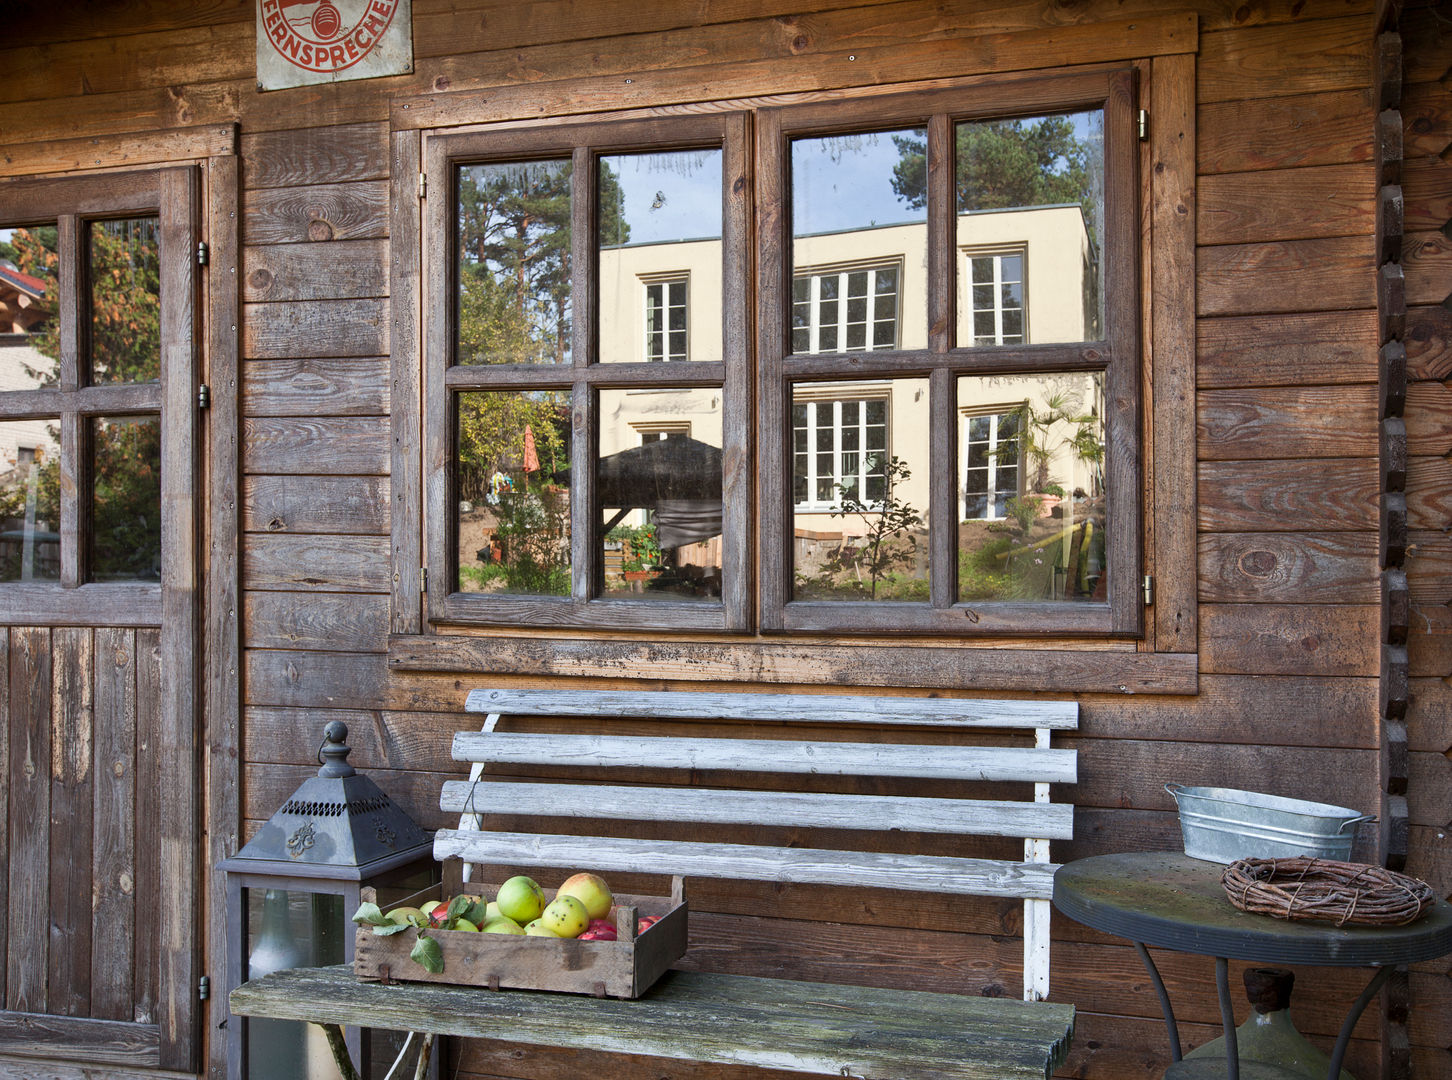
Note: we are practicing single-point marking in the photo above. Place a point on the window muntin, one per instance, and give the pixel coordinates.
(994, 309)
(839, 447)
(846, 310)
(666, 319)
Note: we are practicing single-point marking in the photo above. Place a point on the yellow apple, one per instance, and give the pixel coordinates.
(407, 916)
(462, 923)
(566, 916)
(537, 928)
(502, 925)
(521, 899)
(590, 890)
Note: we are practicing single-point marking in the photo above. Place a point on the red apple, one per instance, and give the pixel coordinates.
(599, 930)
(645, 922)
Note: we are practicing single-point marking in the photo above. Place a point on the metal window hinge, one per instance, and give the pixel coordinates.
(204, 396)
(1149, 589)
(201, 253)
(1143, 125)
(423, 579)
(204, 988)
(423, 185)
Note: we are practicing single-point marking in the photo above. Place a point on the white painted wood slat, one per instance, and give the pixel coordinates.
(780, 708)
(973, 817)
(922, 873)
(769, 755)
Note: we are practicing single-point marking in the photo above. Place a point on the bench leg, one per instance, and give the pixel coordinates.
(339, 1048)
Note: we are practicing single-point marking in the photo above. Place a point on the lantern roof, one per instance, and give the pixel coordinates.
(338, 824)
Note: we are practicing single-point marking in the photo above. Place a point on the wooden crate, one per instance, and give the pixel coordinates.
(624, 968)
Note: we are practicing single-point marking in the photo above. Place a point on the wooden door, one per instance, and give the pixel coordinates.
(99, 854)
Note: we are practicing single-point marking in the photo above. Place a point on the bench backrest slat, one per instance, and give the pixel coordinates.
(814, 866)
(779, 708)
(791, 809)
(770, 755)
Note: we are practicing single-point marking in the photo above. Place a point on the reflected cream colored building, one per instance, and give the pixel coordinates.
(1024, 277)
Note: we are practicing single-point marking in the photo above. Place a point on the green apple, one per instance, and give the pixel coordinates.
(407, 916)
(537, 928)
(462, 923)
(590, 890)
(566, 916)
(521, 899)
(491, 912)
(502, 925)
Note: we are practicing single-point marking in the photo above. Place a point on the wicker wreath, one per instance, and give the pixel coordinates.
(1320, 889)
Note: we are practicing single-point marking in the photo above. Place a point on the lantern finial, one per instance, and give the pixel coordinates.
(335, 750)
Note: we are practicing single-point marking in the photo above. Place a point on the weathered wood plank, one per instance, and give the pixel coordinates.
(112, 151)
(1321, 348)
(314, 155)
(315, 504)
(758, 755)
(357, 210)
(1427, 262)
(406, 398)
(778, 708)
(72, 786)
(325, 270)
(1285, 204)
(1284, 567)
(380, 740)
(1429, 567)
(1429, 342)
(285, 620)
(113, 865)
(327, 446)
(1429, 492)
(101, 1041)
(1276, 61)
(1429, 789)
(316, 387)
(1332, 274)
(787, 1026)
(1328, 128)
(28, 789)
(1247, 496)
(150, 777)
(315, 328)
(1289, 639)
(1429, 418)
(1427, 189)
(1254, 424)
(311, 563)
(986, 669)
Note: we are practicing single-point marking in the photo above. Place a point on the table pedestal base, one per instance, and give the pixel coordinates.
(1208, 1068)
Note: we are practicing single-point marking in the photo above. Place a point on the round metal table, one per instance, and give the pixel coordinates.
(1170, 901)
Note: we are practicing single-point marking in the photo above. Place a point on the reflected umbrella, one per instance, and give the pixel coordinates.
(676, 478)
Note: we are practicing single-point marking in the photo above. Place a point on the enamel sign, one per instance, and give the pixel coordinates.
(312, 41)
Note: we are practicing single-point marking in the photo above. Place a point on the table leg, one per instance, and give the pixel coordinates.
(1344, 1038)
(1227, 1018)
(1164, 995)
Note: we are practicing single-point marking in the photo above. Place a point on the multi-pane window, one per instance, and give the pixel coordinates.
(995, 299)
(839, 450)
(846, 310)
(666, 313)
(991, 471)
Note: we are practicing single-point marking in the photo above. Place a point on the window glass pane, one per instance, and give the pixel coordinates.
(513, 252)
(859, 217)
(658, 478)
(512, 510)
(125, 526)
(660, 222)
(29, 299)
(1031, 474)
(30, 500)
(1031, 198)
(863, 533)
(125, 300)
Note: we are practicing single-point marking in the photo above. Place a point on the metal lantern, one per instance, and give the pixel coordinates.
(291, 894)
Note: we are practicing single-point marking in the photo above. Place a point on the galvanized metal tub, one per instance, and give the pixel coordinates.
(1222, 824)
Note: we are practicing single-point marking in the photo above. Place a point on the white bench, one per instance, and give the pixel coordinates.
(736, 783)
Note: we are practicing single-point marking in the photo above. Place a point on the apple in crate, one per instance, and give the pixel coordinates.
(521, 899)
(566, 916)
(590, 890)
(599, 930)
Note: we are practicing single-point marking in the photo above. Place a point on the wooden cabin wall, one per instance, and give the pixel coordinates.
(1285, 428)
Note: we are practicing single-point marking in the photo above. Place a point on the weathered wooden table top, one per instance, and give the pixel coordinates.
(727, 1019)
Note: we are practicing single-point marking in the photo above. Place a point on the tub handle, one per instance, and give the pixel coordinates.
(1363, 819)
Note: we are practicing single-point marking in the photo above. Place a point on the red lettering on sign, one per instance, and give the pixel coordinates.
(295, 40)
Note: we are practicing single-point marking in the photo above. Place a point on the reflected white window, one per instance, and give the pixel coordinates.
(991, 474)
(666, 319)
(848, 310)
(995, 298)
(839, 446)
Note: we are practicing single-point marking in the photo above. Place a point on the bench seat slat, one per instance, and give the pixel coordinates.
(718, 1019)
(779, 708)
(814, 866)
(769, 755)
(975, 817)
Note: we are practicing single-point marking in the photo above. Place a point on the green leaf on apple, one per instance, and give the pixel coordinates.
(428, 955)
(370, 914)
(478, 913)
(458, 906)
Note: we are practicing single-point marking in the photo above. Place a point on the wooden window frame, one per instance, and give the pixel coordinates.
(584, 377)
(944, 360)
